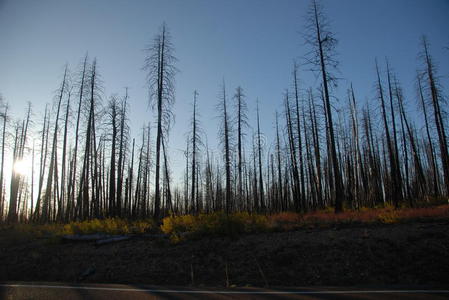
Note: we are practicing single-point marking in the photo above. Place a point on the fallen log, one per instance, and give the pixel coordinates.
(112, 240)
(85, 237)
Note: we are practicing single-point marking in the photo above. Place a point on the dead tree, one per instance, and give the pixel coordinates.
(4, 115)
(52, 179)
(322, 57)
(113, 112)
(420, 180)
(396, 188)
(225, 139)
(394, 145)
(279, 192)
(16, 178)
(89, 168)
(438, 111)
(159, 64)
(73, 175)
(242, 124)
(121, 153)
(259, 151)
(43, 158)
(432, 163)
(62, 203)
(195, 140)
(293, 157)
(301, 189)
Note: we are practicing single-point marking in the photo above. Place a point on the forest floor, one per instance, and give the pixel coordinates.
(359, 254)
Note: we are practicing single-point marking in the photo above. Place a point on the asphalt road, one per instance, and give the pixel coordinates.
(115, 291)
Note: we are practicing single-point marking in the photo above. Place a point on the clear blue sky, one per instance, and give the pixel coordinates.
(251, 43)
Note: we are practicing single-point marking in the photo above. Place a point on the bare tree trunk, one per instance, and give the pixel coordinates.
(19, 148)
(194, 148)
(157, 200)
(113, 115)
(396, 189)
(417, 161)
(62, 206)
(279, 194)
(395, 139)
(83, 194)
(294, 164)
(338, 186)
(316, 147)
(121, 155)
(168, 205)
(299, 137)
(433, 167)
(52, 173)
(438, 115)
(259, 150)
(2, 168)
(227, 153)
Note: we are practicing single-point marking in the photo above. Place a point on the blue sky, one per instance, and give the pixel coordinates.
(250, 43)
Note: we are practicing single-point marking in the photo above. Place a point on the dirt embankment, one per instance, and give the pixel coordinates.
(416, 253)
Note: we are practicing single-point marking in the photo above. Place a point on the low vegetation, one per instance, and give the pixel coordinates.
(179, 227)
(183, 227)
(114, 226)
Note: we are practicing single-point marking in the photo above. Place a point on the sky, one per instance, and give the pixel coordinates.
(250, 43)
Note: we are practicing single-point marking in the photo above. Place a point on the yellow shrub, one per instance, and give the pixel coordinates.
(388, 217)
(108, 226)
(217, 223)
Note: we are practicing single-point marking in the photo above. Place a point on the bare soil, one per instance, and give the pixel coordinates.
(413, 253)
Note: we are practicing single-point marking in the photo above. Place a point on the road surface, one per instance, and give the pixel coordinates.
(116, 291)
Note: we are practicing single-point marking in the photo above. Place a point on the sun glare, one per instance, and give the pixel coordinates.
(22, 167)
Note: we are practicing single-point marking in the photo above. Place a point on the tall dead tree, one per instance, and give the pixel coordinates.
(259, 155)
(159, 64)
(52, 178)
(225, 139)
(438, 111)
(62, 202)
(195, 139)
(279, 192)
(359, 184)
(432, 163)
(4, 115)
(122, 152)
(113, 111)
(394, 141)
(395, 183)
(322, 57)
(301, 189)
(73, 174)
(84, 209)
(242, 123)
(293, 157)
(16, 178)
(420, 182)
(42, 163)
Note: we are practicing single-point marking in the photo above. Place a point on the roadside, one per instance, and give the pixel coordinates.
(110, 291)
(378, 254)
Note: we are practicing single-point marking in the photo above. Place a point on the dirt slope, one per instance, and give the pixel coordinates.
(416, 253)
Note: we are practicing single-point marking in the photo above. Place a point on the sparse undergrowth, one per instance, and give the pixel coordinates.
(106, 226)
(179, 227)
(219, 224)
